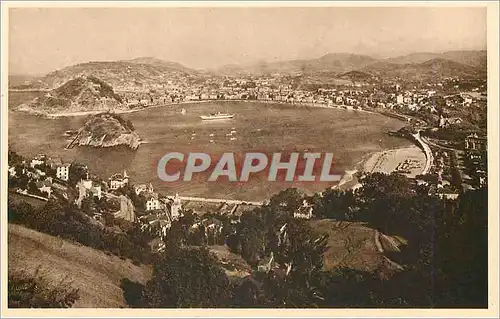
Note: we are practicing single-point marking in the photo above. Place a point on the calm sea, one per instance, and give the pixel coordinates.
(349, 135)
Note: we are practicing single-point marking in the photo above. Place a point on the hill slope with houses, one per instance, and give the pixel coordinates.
(137, 72)
(84, 93)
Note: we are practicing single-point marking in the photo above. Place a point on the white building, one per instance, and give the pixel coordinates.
(12, 171)
(85, 188)
(36, 161)
(175, 209)
(92, 187)
(143, 188)
(45, 187)
(399, 99)
(467, 99)
(63, 172)
(305, 211)
(152, 202)
(118, 180)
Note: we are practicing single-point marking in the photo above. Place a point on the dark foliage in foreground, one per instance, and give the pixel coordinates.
(445, 260)
(27, 291)
(186, 277)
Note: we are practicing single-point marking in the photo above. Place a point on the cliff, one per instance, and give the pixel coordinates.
(107, 130)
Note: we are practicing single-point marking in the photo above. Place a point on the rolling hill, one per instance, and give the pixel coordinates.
(76, 95)
(430, 70)
(162, 64)
(477, 59)
(351, 245)
(139, 72)
(338, 63)
(95, 274)
(356, 76)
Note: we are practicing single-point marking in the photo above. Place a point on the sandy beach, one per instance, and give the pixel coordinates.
(408, 161)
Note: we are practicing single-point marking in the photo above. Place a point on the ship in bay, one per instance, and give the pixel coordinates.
(217, 116)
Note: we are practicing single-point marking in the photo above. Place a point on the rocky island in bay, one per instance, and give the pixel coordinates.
(106, 130)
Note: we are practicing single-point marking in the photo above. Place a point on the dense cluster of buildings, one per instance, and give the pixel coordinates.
(45, 178)
(280, 89)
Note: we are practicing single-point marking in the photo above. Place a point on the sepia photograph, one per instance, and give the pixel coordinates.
(322, 155)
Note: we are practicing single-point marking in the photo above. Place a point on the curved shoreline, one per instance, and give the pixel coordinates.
(349, 180)
(427, 151)
(125, 111)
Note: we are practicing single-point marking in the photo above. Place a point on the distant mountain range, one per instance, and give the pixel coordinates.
(477, 59)
(453, 63)
(334, 62)
(424, 71)
(145, 71)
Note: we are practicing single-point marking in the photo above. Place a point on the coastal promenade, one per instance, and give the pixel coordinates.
(427, 151)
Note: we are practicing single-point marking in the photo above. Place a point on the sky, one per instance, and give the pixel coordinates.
(43, 40)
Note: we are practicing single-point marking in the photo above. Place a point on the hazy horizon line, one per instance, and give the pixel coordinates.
(374, 56)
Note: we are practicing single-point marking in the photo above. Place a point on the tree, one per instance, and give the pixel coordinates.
(132, 292)
(285, 202)
(301, 248)
(20, 213)
(187, 277)
(381, 198)
(251, 232)
(32, 189)
(335, 204)
(462, 254)
(88, 205)
(77, 172)
(13, 158)
(27, 291)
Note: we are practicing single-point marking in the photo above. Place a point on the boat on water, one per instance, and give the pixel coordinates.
(217, 116)
(70, 133)
(183, 111)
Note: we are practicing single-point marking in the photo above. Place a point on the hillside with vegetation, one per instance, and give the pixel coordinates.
(94, 275)
(119, 74)
(388, 243)
(76, 95)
